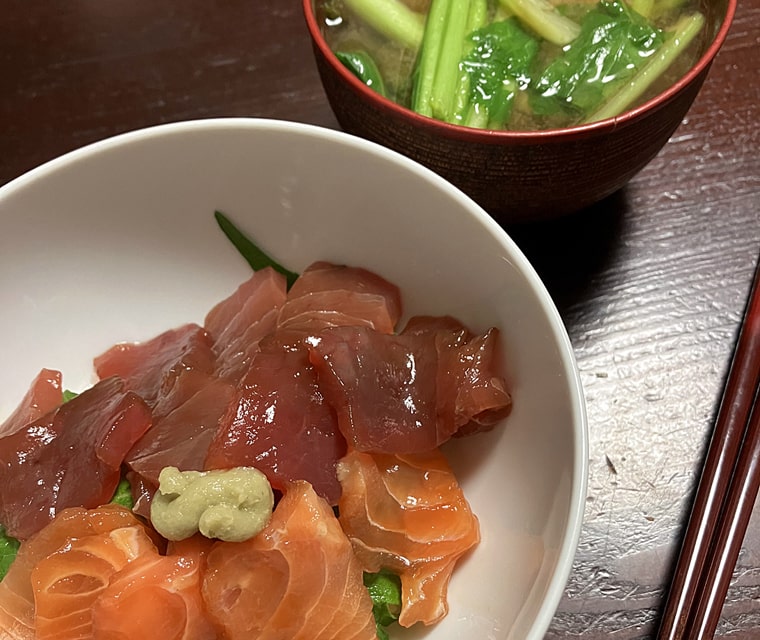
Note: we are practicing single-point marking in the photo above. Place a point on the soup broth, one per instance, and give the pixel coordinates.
(506, 71)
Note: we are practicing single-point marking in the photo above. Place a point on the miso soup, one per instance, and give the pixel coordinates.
(516, 64)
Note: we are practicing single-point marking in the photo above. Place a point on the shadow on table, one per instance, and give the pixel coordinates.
(569, 253)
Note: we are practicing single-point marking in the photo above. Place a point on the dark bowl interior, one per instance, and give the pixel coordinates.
(521, 176)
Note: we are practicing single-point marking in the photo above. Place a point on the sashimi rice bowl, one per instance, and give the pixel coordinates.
(266, 380)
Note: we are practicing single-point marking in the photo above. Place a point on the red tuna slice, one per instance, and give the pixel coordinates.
(44, 395)
(296, 580)
(184, 422)
(279, 422)
(235, 358)
(479, 395)
(182, 437)
(153, 368)
(406, 393)
(337, 308)
(263, 291)
(471, 385)
(324, 276)
(383, 389)
(69, 457)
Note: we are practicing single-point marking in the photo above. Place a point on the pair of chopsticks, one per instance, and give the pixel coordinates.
(725, 495)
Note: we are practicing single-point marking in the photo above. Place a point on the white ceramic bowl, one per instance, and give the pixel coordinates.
(117, 241)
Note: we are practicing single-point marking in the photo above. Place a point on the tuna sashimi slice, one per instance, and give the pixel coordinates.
(156, 597)
(471, 386)
(44, 395)
(263, 291)
(155, 369)
(236, 356)
(69, 457)
(297, 580)
(337, 308)
(322, 277)
(181, 438)
(17, 593)
(410, 392)
(279, 422)
(407, 514)
(383, 389)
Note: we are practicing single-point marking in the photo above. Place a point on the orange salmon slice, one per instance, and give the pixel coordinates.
(297, 580)
(407, 514)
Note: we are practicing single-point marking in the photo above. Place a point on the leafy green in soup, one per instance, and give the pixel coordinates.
(515, 64)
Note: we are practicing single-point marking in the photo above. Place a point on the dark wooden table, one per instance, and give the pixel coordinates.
(651, 283)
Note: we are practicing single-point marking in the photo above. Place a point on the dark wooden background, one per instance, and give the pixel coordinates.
(651, 282)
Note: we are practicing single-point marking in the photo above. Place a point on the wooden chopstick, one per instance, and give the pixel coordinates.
(694, 598)
(727, 544)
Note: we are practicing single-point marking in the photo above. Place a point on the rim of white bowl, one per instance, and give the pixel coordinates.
(566, 555)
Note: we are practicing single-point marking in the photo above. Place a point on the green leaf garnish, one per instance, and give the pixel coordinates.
(385, 590)
(8, 550)
(123, 494)
(69, 395)
(252, 254)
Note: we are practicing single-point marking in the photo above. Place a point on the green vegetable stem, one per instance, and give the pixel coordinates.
(464, 111)
(442, 87)
(544, 19)
(447, 69)
(392, 18)
(430, 51)
(363, 67)
(686, 29)
(252, 254)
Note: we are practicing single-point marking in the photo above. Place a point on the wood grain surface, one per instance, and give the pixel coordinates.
(651, 282)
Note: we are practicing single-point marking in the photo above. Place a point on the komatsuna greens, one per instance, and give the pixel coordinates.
(516, 64)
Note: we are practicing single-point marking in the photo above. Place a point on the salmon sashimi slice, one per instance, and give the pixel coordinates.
(69, 457)
(69, 582)
(409, 393)
(265, 290)
(297, 580)
(43, 396)
(328, 295)
(156, 368)
(407, 514)
(17, 597)
(156, 597)
(279, 422)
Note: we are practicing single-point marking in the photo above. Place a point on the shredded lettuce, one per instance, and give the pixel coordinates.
(385, 590)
